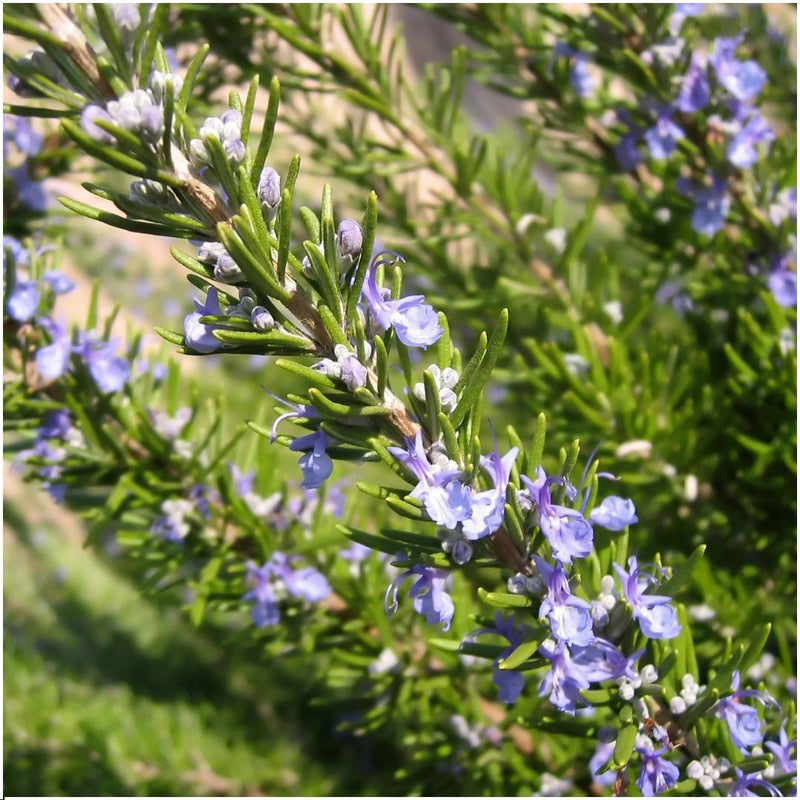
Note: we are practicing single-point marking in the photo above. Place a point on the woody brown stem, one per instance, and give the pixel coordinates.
(73, 41)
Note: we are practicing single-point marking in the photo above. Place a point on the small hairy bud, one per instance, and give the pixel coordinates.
(261, 318)
(269, 192)
(349, 239)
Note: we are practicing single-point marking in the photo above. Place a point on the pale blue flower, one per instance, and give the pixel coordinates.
(657, 774)
(614, 513)
(110, 372)
(414, 321)
(662, 139)
(656, 616)
(566, 530)
(488, 508)
(695, 92)
(782, 282)
(570, 617)
(316, 464)
(428, 593)
(742, 150)
(52, 360)
(23, 301)
(198, 336)
(445, 498)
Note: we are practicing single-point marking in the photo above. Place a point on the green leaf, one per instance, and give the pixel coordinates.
(504, 600)
(261, 430)
(523, 652)
(192, 73)
(285, 217)
(478, 380)
(368, 540)
(682, 575)
(623, 749)
(267, 132)
(369, 226)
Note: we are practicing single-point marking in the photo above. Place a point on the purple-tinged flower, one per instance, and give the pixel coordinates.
(656, 616)
(349, 239)
(198, 336)
(414, 321)
(347, 368)
(201, 495)
(743, 79)
(52, 360)
(110, 372)
(712, 205)
(742, 148)
(266, 611)
(602, 755)
(509, 682)
(57, 425)
(782, 750)
(566, 530)
(306, 412)
(242, 481)
(27, 140)
(580, 78)
(574, 669)
(19, 252)
(137, 111)
(614, 513)
(307, 583)
(89, 118)
(127, 17)
(657, 774)
(695, 92)
(743, 721)
(445, 498)
(570, 616)
(662, 139)
(31, 193)
(681, 13)
(741, 787)
(782, 282)
(356, 553)
(565, 682)
(269, 192)
(172, 525)
(316, 464)
(783, 207)
(428, 593)
(59, 282)
(488, 508)
(23, 301)
(627, 152)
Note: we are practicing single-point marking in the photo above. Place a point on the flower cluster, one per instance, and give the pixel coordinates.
(716, 99)
(28, 143)
(49, 451)
(30, 300)
(277, 580)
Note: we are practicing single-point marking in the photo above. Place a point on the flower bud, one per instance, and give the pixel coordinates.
(269, 192)
(261, 318)
(234, 150)
(227, 270)
(160, 80)
(198, 154)
(89, 117)
(349, 239)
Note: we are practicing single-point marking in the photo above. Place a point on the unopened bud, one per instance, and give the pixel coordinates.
(261, 318)
(349, 239)
(269, 192)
